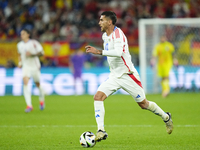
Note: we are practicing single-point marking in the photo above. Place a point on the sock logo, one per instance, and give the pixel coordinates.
(155, 112)
(97, 116)
(138, 96)
(97, 110)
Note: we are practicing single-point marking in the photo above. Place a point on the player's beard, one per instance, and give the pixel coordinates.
(103, 28)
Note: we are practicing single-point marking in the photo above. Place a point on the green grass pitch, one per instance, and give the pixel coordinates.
(129, 127)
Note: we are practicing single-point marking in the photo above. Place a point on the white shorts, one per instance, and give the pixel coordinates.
(129, 82)
(34, 73)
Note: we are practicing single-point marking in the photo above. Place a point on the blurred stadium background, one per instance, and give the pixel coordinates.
(62, 26)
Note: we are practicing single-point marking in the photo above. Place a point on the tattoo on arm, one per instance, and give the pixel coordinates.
(99, 52)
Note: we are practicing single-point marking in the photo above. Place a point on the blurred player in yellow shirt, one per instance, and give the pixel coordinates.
(163, 51)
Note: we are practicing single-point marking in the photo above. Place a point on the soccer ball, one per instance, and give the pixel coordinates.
(87, 139)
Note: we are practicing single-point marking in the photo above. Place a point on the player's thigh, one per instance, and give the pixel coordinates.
(36, 75)
(160, 71)
(132, 85)
(26, 73)
(109, 86)
(164, 71)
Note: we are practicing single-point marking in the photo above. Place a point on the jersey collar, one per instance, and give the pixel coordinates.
(113, 30)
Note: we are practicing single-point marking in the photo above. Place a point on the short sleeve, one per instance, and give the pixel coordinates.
(38, 46)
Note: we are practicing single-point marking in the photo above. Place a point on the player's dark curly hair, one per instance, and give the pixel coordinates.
(27, 31)
(111, 15)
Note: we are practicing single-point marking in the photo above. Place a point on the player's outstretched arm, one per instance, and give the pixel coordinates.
(91, 49)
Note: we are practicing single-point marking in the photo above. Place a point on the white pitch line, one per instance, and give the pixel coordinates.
(81, 126)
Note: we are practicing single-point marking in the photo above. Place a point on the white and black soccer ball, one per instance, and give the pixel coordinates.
(87, 139)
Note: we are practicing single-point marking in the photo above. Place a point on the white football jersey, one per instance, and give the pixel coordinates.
(33, 47)
(117, 51)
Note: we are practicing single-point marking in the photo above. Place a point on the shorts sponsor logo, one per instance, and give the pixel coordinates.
(138, 96)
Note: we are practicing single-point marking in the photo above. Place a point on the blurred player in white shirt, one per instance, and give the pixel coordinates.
(29, 51)
(122, 74)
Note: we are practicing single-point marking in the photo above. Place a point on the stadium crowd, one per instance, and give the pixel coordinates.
(77, 20)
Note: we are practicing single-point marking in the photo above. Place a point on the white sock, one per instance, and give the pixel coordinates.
(99, 114)
(41, 94)
(153, 107)
(27, 96)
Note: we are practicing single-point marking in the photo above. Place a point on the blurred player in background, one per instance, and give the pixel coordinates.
(122, 74)
(163, 51)
(76, 65)
(29, 50)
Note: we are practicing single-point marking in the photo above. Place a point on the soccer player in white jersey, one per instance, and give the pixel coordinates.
(122, 74)
(29, 50)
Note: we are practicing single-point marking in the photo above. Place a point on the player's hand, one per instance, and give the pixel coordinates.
(152, 62)
(28, 54)
(90, 49)
(175, 62)
(19, 65)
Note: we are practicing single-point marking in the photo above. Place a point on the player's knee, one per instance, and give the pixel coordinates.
(25, 80)
(143, 104)
(99, 96)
